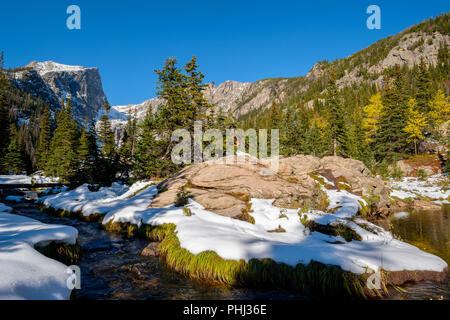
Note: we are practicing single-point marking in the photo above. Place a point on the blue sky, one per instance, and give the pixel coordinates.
(243, 40)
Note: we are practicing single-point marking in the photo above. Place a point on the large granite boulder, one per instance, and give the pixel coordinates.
(226, 189)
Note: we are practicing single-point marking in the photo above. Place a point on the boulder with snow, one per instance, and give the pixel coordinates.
(226, 188)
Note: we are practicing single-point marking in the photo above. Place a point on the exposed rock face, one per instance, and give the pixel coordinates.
(118, 115)
(231, 97)
(53, 81)
(405, 168)
(227, 188)
(430, 165)
(239, 98)
(416, 205)
(409, 52)
(431, 146)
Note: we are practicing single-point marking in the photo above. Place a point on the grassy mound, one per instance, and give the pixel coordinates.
(69, 254)
(96, 217)
(315, 279)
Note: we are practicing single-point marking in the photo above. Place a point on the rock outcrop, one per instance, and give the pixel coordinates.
(226, 189)
(424, 165)
(53, 82)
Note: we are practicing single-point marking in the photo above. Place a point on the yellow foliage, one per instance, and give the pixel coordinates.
(372, 114)
(416, 123)
(440, 108)
(320, 122)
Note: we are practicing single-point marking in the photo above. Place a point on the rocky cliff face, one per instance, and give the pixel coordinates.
(53, 81)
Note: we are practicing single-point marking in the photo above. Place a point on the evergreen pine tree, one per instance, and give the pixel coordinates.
(149, 161)
(443, 64)
(43, 149)
(390, 140)
(106, 135)
(13, 158)
(84, 151)
(198, 105)
(127, 148)
(422, 92)
(4, 127)
(63, 158)
(336, 117)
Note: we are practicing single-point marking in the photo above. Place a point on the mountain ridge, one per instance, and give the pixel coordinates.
(53, 81)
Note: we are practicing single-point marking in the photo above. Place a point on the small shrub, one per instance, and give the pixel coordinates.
(422, 174)
(182, 197)
(396, 173)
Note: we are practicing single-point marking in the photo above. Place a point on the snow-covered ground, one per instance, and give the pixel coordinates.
(103, 201)
(24, 272)
(235, 239)
(23, 179)
(436, 188)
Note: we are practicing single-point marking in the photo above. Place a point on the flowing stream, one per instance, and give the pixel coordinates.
(112, 268)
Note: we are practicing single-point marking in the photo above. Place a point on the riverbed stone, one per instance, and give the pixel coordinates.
(151, 250)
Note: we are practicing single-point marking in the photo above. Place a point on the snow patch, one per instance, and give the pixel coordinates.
(26, 273)
(436, 188)
(235, 239)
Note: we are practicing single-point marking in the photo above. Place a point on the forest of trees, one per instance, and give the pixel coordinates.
(377, 124)
(54, 143)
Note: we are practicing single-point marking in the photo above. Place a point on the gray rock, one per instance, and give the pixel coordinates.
(53, 82)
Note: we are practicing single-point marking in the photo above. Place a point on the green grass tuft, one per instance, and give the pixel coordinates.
(68, 254)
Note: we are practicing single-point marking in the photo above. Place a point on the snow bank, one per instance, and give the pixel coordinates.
(435, 187)
(25, 273)
(5, 208)
(23, 179)
(235, 239)
(103, 201)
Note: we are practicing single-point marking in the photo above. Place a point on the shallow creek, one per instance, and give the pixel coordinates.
(112, 268)
(429, 231)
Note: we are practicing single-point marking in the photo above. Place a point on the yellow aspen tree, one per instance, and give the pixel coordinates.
(371, 116)
(415, 124)
(440, 108)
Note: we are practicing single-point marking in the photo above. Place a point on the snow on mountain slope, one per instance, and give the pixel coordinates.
(52, 82)
(50, 66)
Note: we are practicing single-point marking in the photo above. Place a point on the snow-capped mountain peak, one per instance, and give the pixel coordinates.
(50, 66)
